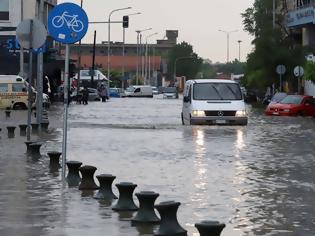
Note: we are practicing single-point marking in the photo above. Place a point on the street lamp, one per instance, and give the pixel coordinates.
(228, 42)
(123, 52)
(146, 57)
(239, 50)
(175, 63)
(139, 37)
(108, 46)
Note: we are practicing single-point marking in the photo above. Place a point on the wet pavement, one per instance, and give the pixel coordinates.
(258, 180)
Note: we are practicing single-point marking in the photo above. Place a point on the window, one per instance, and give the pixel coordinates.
(217, 91)
(18, 88)
(4, 10)
(3, 88)
(137, 90)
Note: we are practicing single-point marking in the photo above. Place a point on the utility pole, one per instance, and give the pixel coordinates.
(228, 43)
(93, 60)
(21, 48)
(79, 61)
(39, 82)
(239, 50)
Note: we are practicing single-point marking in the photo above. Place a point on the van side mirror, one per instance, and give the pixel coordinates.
(186, 99)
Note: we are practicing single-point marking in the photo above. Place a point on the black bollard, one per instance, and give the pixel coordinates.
(73, 178)
(146, 213)
(54, 158)
(105, 191)
(44, 125)
(23, 130)
(7, 113)
(35, 148)
(28, 150)
(34, 128)
(125, 200)
(169, 225)
(210, 228)
(11, 131)
(87, 173)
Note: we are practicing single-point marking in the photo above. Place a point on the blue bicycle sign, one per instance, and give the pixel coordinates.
(70, 20)
(67, 23)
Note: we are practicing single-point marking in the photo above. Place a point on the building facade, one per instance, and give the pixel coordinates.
(149, 60)
(301, 20)
(12, 12)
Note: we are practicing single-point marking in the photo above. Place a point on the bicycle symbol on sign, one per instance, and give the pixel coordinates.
(71, 21)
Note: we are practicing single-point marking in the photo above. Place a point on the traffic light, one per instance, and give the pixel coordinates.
(125, 21)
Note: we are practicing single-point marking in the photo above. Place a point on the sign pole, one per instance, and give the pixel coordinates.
(280, 82)
(30, 81)
(65, 114)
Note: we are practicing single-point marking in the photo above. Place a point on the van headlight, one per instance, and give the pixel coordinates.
(241, 113)
(198, 113)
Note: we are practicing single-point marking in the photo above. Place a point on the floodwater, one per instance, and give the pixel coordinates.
(258, 179)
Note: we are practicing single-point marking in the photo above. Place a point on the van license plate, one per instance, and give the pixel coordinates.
(220, 121)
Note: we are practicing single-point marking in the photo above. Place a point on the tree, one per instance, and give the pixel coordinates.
(273, 46)
(187, 62)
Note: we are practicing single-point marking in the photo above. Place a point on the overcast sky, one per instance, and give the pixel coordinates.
(198, 23)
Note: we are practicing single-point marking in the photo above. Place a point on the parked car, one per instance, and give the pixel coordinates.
(277, 97)
(292, 105)
(93, 95)
(155, 90)
(114, 92)
(170, 92)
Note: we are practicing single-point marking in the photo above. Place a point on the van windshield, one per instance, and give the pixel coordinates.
(217, 91)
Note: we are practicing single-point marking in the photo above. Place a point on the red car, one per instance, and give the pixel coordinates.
(292, 105)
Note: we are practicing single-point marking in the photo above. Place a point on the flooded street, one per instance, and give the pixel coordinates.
(258, 179)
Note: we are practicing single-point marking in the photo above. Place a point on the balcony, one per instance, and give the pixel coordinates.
(300, 13)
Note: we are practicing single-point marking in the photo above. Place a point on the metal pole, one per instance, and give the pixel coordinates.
(65, 114)
(228, 47)
(141, 54)
(79, 62)
(30, 81)
(146, 63)
(21, 48)
(39, 85)
(149, 66)
(123, 60)
(280, 82)
(137, 73)
(239, 50)
(108, 51)
(93, 60)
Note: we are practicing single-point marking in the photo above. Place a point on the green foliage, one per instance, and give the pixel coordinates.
(187, 62)
(272, 46)
(115, 77)
(234, 67)
(309, 73)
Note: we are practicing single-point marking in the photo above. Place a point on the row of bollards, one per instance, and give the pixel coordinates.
(23, 128)
(168, 224)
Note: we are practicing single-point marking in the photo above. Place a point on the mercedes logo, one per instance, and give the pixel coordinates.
(220, 113)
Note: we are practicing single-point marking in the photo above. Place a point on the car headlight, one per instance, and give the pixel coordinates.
(286, 110)
(241, 113)
(198, 113)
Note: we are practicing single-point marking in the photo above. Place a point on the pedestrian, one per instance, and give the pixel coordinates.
(85, 95)
(103, 93)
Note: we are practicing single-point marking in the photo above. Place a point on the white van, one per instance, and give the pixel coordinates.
(14, 95)
(213, 101)
(139, 91)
